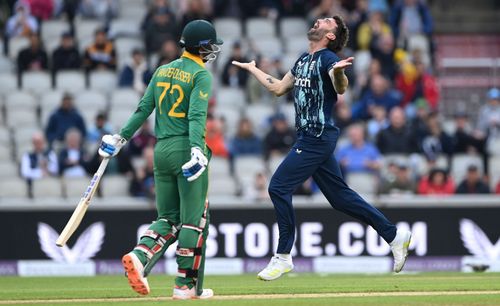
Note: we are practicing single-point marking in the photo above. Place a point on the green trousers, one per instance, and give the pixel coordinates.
(182, 214)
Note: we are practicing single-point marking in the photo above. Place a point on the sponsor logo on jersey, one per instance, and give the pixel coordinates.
(303, 82)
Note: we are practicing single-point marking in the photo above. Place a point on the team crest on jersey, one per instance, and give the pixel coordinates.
(203, 95)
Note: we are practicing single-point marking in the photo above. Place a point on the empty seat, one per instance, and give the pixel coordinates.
(119, 117)
(8, 82)
(230, 97)
(36, 81)
(53, 29)
(23, 134)
(246, 167)
(49, 102)
(20, 99)
(125, 45)
(70, 81)
(288, 60)
(6, 64)
(133, 11)
(5, 136)
(125, 28)
(363, 183)
(292, 26)
(259, 114)
(13, 187)
(16, 44)
(494, 171)
(91, 99)
(269, 47)
(8, 169)
(5, 152)
(275, 161)
(22, 117)
(105, 81)
(85, 29)
(219, 166)
(115, 186)
(296, 46)
(75, 186)
(257, 28)
(47, 187)
(231, 117)
(460, 163)
(221, 186)
(20, 109)
(125, 97)
(228, 28)
(494, 146)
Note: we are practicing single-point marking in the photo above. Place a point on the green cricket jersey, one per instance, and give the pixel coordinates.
(179, 91)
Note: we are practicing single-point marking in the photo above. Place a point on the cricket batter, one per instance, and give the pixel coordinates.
(179, 91)
(316, 79)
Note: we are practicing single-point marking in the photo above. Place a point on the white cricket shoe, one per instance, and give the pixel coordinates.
(135, 273)
(399, 248)
(276, 267)
(190, 294)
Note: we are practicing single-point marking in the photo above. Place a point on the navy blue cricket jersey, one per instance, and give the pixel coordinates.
(314, 95)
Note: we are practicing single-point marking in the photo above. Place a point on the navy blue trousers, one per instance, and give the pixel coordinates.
(313, 156)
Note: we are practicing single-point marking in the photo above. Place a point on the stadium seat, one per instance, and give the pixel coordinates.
(36, 81)
(221, 186)
(494, 146)
(292, 26)
(125, 97)
(246, 167)
(288, 109)
(21, 109)
(295, 46)
(20, 99)
(231, 117)
(259, 114)
(118, 117)
(230, 97)
(133, 10)
(5, 151)
(5, 136)
(53, 29)
(228, 28)
(23, 134)
(8, 169)
(6, 64)
(459, 164)
(115, 186)
(270, 47)
(494, 171)
(70, 81)
(91, 99)
(125, 28)
(13, 187)
(362, 62)
(74, 187)
(85, 29)
(219, 166)
(104, 81)
(8, 82)
(258, 28)
(125, 45)
(363, 183)
(49, 102)
(275, 161)
(16, 44)
(47, 187)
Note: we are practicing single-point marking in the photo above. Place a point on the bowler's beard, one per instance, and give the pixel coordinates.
(316, 34)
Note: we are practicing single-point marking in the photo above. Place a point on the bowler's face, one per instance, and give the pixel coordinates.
(327, 24)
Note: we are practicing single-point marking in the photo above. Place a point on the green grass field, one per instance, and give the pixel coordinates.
(293, 289)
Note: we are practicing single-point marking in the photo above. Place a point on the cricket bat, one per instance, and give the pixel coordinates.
(82, 206)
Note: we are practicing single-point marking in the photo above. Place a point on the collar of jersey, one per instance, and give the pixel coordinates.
(194, 58)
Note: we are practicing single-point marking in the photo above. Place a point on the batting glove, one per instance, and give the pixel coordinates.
(111, 145)
(195, 167)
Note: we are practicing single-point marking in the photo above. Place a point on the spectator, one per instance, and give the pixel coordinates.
(101, 127)
(415, 81)
(400, 183)
(342, 115)
(169, 51)
(383, 51)
(245, 142)
(41, 9)
(472, 183)
(436, 142)
(215, 137)
(231, 75)
(356, 17)
(142, 139)
(465, 140)
(489, 116)
(162, 27)
(370, 31)
(358, 155)
(66, 56)
(397, 138)
(64, 118)
(39, 163)
(410, 17)
(256, 92)
(136, 74)
(326, 8)
(33, 58)
(497, 188)
(196, 9)
(72, 159)
(279, 139)
(143, 184)
(438, 182)
(154, 7)
(258, 190)
(379, 93)
(22, 23)
(100, 54)
(378, 122)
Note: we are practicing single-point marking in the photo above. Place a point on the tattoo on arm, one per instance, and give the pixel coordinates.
(270, 80)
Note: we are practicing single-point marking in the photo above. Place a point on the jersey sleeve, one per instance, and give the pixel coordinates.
(328, 60)
(144, 109)
(198, 108)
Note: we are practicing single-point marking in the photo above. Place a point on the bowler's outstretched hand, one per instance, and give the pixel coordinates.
(343, 63)
(246, 66)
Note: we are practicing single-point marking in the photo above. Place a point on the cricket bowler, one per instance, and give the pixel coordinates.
(316, 78)
(179, 91)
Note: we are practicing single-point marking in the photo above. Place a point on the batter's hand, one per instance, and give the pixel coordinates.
(111, 145)
(195, 167)
(246, 66)
(343, 63)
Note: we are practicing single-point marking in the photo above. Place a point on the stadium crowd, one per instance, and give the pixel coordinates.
(391, 119)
